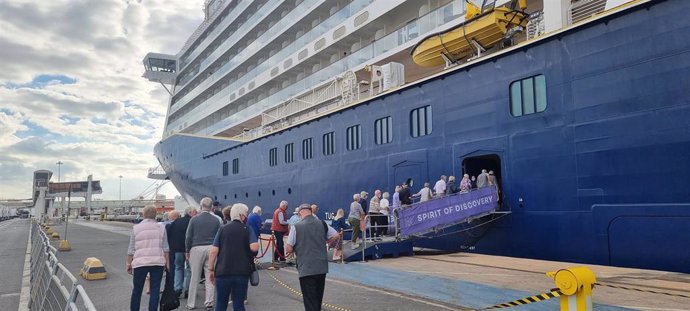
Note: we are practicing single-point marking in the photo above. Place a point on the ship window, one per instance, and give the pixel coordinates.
(421, 121)
(289, 153)
(307, 152)
(528, 96)
(354, 137)
(383, 131)
(225, 168)
(236, 166)
(273, 157)
(328, 143)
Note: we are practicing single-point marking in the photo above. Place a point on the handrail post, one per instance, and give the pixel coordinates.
(275, 249)
(342, 243)
(364, 236)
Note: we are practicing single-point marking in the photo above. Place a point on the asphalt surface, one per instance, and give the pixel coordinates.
(108, 242)
(14, 235)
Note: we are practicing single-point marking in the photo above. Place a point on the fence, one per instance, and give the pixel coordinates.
(53, 287)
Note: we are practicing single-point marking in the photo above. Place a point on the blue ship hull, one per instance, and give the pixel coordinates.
(600, 176)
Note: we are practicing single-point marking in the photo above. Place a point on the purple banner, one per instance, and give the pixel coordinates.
(422, 217)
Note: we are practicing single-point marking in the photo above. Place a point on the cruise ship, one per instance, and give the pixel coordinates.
(580, 108)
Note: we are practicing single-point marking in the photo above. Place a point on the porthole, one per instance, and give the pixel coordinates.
(259, 193)
(289, 190)
(225, 197)
(273, 192)
(246, 194)
(235, 195)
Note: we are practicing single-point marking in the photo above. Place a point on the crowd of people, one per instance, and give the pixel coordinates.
(218, 247)
(379, 208)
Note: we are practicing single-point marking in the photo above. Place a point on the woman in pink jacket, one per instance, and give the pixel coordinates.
(147, 254)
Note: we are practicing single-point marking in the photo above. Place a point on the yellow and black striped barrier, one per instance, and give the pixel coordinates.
(298, 293)
(642, 290)
(524, 301)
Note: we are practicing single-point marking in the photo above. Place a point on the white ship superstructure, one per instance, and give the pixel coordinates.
(252, 63)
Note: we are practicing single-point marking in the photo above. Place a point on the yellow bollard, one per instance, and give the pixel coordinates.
(576, 286)
(64, 246)
(93, 269)
(55, 236)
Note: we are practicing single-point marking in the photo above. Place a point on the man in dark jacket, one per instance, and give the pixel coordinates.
(176, 238)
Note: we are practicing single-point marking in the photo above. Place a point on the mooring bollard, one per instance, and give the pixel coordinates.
(576, 286)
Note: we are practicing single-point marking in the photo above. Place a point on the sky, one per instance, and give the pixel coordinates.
(71, 89)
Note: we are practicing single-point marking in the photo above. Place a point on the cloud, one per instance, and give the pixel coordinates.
(71, 88)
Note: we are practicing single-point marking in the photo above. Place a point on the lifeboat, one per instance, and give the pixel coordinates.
(480, 31)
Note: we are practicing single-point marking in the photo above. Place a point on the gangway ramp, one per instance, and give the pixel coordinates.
(426, 220)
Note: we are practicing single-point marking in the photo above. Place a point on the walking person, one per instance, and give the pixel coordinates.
(147, 254)
(234, 247)
(451, 187)
(384, 206)
(307, 240)
(279, 226)
(176, 237)
(254, 220)
(483, 179)
(375, 214)
(339, 225)
(440, 186)
(201, 231)
(465, 183)
(355, 215)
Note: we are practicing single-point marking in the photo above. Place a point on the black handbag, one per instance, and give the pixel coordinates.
(169, 298)
(254, 276)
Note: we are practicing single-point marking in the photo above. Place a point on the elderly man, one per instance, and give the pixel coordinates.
(279, 226)
(201, 231)
(307, 240)
(315, 210)
(440, 186)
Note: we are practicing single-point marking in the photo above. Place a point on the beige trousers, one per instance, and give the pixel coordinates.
(198, 261)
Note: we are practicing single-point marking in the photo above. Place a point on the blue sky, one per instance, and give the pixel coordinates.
(71, 89)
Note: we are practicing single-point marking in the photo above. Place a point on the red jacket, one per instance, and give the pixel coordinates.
(276, 225)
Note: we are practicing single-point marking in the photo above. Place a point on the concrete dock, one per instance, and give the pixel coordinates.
(457, 281)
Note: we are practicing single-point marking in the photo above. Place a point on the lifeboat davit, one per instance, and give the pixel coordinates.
(485, 29)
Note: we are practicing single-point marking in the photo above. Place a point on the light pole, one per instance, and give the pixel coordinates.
(59, 163)
(120, 188)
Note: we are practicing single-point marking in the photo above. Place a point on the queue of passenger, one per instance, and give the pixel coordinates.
(380, 208)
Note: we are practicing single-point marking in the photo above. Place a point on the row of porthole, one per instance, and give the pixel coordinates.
(246, 194)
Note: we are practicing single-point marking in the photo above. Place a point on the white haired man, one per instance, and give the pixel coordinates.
(439, 187)
(307, 240)
(201, 231)
(279, 226)
(356, 213)
(235, 246)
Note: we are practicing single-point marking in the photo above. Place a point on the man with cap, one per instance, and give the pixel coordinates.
(307, 240)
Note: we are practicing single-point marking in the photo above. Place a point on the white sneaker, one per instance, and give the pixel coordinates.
(355, 246)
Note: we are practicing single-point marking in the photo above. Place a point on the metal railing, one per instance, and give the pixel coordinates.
(53, 287)
(392, 220)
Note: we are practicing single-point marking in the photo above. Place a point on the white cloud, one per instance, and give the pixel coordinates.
(106, 122)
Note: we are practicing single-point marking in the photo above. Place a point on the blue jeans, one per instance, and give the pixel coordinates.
(179, 267)
(140, 273)
(231, 284)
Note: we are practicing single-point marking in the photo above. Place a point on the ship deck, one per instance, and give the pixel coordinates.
(420, 282)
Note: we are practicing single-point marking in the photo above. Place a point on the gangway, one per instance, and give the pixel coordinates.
(426, 220)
